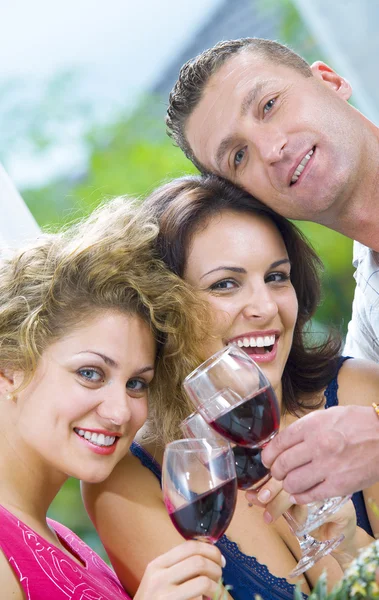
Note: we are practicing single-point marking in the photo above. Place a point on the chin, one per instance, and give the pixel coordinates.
(97, 476)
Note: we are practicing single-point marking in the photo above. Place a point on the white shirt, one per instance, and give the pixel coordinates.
(363, 331)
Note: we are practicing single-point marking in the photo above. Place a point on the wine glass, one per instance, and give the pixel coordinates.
(234, 396)
(250, 471)
(252, 474)
(199, 487)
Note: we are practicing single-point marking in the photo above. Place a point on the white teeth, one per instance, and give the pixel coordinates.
(97, 438)
(301, 166)
(259, 341)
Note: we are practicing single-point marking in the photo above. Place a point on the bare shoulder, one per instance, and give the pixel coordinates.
(358, 383)
(10, 585)
(131, 519)
(130, 480)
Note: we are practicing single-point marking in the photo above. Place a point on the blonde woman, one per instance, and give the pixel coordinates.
(90, 322)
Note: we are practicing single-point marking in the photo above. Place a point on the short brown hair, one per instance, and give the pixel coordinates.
(185, 205)
(195, 74)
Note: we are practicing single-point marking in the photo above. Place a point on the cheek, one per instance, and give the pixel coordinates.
(140, 412)
(290, 309)
(221, 315)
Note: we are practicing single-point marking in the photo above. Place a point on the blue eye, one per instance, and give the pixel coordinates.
(137, 385)
(268, 106)
(239, 156)
(91, 374)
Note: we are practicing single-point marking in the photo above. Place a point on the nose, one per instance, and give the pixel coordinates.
(260, 304)
(270, 143)
(115, 407)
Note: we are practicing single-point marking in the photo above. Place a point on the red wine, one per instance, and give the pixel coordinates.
(208, 516)
(249, 466)
(251, 422)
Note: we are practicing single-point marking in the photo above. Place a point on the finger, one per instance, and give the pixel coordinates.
(265, 494)
(191, 568)
(186, 550)
(285, 439)
(303, 479)
(277, 507)
(319, 492)
(200, 586)
(291, 459)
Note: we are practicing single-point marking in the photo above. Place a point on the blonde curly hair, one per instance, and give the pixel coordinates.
(106, 261)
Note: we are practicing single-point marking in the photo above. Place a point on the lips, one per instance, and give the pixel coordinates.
(99, 441)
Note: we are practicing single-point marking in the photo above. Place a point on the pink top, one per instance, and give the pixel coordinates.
(45, 572)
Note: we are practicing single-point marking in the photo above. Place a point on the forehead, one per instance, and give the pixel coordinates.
(234, 236)
(219, 109)
(114, 330)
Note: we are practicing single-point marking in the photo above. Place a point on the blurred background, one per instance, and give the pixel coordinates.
(83, 92)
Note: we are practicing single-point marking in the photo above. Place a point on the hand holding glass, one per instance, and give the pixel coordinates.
(199, 487)
(234, 396)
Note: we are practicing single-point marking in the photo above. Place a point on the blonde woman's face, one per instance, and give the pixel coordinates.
(87, 398)
(240, 265)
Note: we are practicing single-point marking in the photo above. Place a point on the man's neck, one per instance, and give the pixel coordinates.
(357, 215)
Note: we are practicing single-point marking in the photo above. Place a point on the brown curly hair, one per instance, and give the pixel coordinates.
(106, 261)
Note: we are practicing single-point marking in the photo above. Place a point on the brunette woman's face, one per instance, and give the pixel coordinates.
(88, 397)
(239, 263)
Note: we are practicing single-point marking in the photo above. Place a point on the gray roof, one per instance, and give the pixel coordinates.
(231, 20)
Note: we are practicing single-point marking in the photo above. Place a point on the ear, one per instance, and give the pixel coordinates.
(340, 85)
(7, 383)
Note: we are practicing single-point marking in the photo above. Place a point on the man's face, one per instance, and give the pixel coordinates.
(292, 141)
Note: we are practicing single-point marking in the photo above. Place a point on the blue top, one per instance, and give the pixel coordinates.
(244, 573)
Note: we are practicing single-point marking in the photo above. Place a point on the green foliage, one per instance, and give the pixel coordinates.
(358, 582)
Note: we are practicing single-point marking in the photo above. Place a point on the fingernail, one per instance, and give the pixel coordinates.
(267, 517)
(223, 561)
(264, 496)
(293, 500)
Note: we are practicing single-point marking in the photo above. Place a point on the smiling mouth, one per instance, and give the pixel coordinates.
(260, 344)
(301, 166)
(98, 439)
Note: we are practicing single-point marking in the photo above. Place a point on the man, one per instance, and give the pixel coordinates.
(254, 112)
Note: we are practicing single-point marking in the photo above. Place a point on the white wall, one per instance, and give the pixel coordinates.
(16, 221)
(347, 30)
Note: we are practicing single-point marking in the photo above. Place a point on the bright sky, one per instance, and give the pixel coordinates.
(109, 37)
(119, 47)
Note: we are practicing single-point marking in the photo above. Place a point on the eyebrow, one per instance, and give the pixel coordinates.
(248, 100)
(112, 363)
(275, 264)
